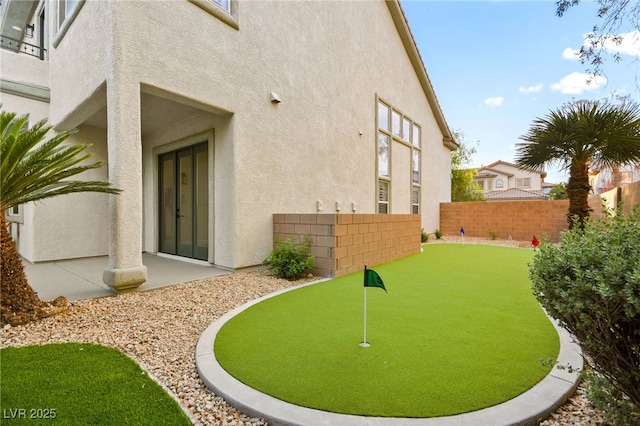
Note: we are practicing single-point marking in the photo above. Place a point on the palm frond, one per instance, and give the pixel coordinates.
(32, 170)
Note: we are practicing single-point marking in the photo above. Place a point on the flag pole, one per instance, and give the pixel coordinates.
(364, 343)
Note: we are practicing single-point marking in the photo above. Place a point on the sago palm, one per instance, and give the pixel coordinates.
(578, 134)
(33, 169)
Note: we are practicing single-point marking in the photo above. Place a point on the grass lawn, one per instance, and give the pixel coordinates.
(81, 384)
(459, 330)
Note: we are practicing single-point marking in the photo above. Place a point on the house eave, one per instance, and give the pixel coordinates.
(400, 21)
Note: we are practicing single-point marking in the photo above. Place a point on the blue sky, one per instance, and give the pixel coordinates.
(497, 65)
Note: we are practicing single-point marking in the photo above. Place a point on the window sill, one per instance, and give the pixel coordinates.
(67, 23)
(220, 13)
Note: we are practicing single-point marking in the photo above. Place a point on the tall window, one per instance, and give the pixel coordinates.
(395, 127)
(384, 156)
(523, 182)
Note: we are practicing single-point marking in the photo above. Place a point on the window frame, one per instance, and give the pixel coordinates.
(523, 182)
(228, 16)
(70, 15)
(407, 132)
(381, 201)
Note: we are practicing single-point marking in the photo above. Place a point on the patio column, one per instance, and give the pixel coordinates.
(125, 271)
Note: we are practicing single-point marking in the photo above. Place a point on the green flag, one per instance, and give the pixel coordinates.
(372, 279)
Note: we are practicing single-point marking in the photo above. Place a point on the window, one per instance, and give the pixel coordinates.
(523, 182)
(383, 155)
(406, 129)
(383, 196)
(225, 4)
(383, 117)
(415, 136)
(394, 127)
(14, 214)
(499, 183)
(65, 9)
(224, 10)
(66, 14)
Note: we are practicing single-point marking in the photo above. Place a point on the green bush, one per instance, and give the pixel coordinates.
(590, 282)
(289, 261)
(493, 235)
(424, 237)
(438, 234)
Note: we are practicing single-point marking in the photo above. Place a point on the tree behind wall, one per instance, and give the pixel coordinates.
(463, 185)
(33, 169)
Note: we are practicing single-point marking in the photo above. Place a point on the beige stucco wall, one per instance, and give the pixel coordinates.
(327, 64)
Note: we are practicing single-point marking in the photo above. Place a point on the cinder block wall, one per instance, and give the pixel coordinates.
(519, 219)
(523, 219)
(344, 243)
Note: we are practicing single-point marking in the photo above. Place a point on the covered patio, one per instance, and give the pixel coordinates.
(79, 279)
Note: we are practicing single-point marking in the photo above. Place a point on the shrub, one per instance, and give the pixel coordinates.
(438, 234)
(289, 261)
(493, 235)
(424, 237)
(590, 282)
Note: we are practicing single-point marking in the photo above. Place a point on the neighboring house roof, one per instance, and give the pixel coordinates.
(402, 25)
(486, 171)
(506, 163)
(513, 194)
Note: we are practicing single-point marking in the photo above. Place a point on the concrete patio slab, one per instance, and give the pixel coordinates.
(78, 279)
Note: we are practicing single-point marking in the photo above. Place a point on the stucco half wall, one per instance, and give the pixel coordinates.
(344, 243)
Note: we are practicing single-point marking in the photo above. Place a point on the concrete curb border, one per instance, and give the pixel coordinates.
(526, 409)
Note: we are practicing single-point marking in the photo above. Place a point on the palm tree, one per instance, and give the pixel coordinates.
(32, 169)
(580, 133)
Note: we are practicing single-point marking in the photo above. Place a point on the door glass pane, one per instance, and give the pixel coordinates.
(202, 200)
(167, 205)
(185, 218)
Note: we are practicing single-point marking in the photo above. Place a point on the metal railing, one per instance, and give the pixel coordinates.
(21, 47)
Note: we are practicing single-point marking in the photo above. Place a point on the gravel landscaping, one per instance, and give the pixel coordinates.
(160, 329)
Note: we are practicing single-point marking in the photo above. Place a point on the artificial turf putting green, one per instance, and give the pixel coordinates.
(459, 330)
(81, 384)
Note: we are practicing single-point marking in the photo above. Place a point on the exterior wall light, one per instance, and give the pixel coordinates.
(29, 31)
(274, 98)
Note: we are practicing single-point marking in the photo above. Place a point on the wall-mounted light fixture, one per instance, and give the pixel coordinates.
(319, 205)
(338, 206)
(28, 30)
(274, 98)
(354, 207)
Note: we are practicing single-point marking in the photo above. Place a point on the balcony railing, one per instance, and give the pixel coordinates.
(21, 47)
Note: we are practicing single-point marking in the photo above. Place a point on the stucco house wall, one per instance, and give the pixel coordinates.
(140, 83)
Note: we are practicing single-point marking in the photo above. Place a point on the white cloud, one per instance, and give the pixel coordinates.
(530, 89)
(494, 102)
(571, 54)
(624, 43)
(576, 83)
